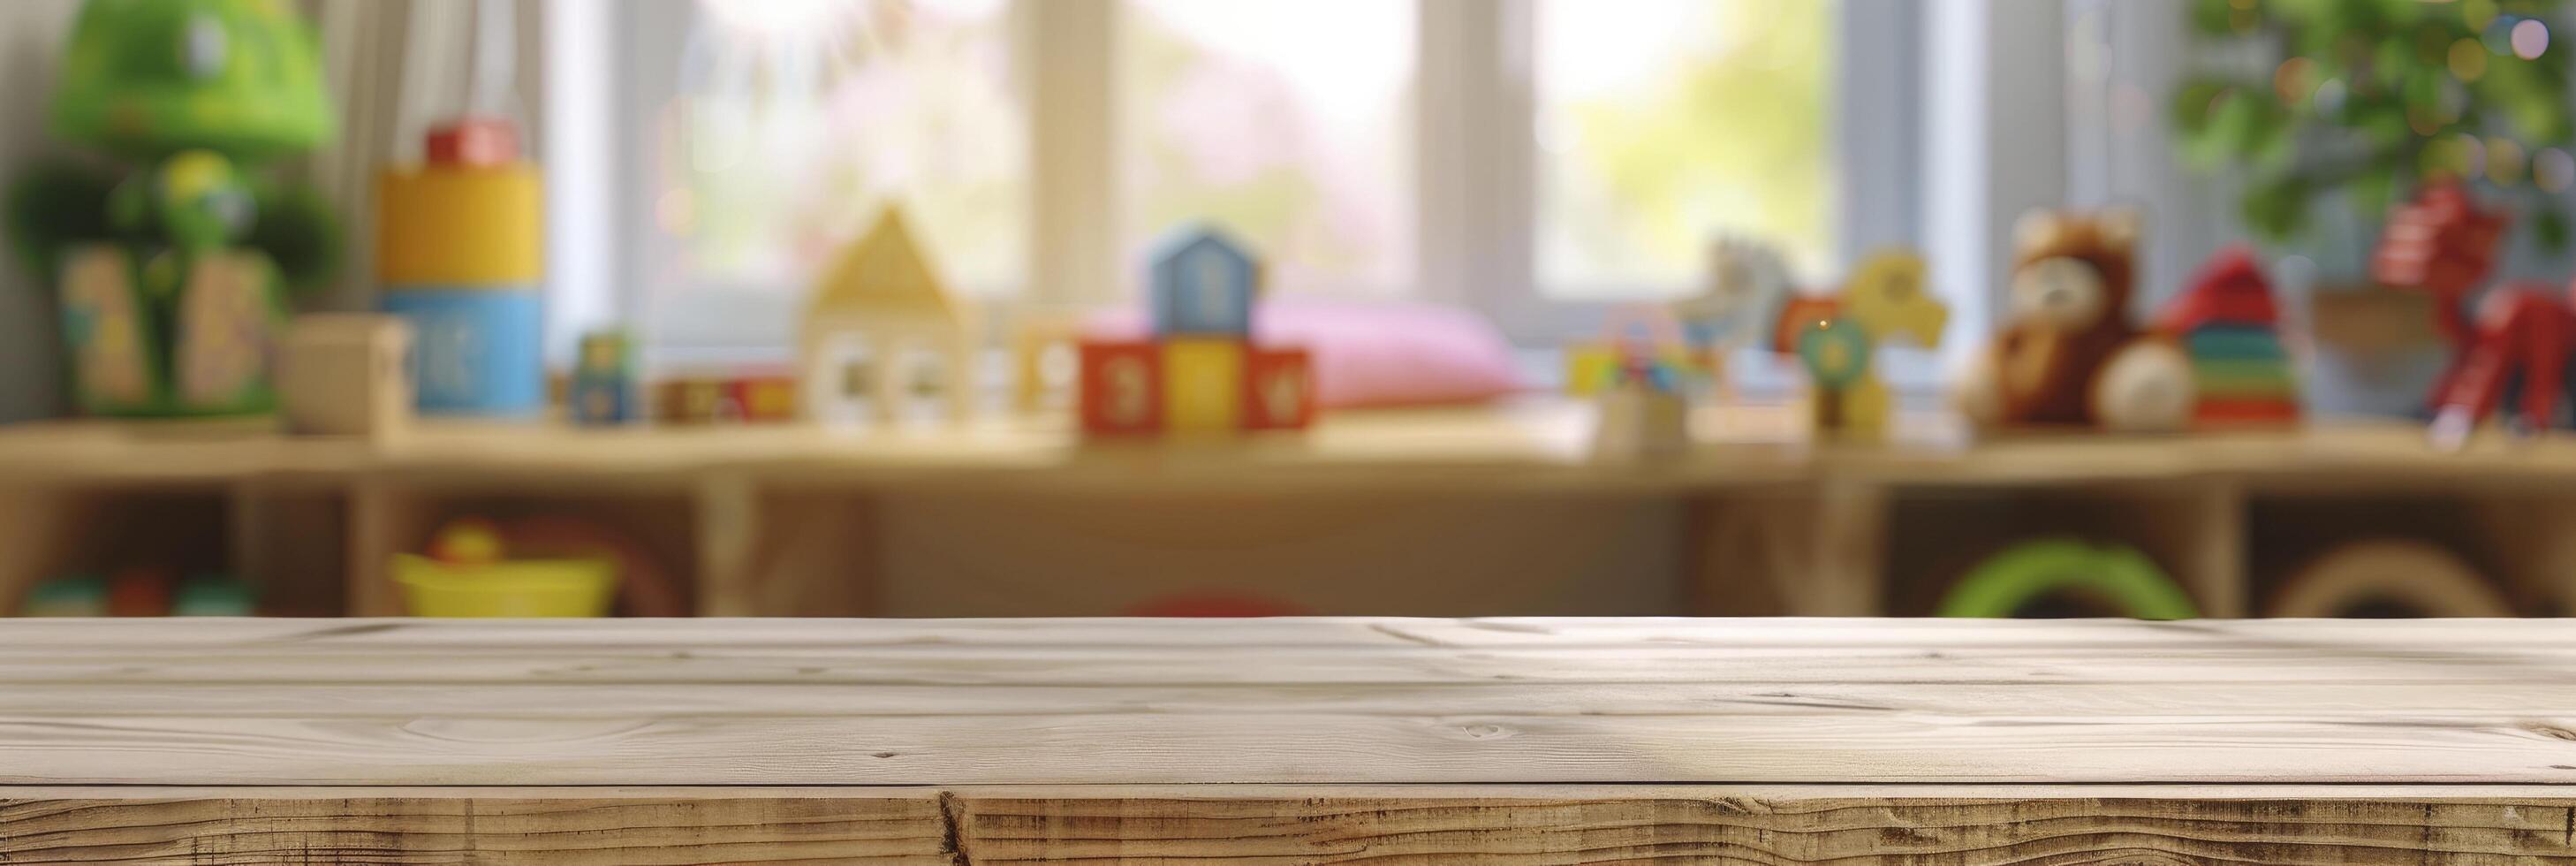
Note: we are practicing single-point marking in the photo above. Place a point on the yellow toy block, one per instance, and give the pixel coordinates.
(1588, 366)
(1202, 385)
(458, 227)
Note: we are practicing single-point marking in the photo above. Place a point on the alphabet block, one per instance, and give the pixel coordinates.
(1203, 385)
(1280, 389)
(1122, 387)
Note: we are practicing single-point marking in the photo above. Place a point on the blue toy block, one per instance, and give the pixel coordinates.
(1204, 283)
(475, 351)
(594, 400)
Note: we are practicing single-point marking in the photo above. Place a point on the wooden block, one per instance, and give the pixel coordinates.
(695, 401)
(1204, 285)
(1279, 389)
(1029, 349)
(345, 374)
(764, 399)
(1122, 387)
(1203, 385)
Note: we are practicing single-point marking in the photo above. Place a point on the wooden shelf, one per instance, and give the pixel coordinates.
(791, 519)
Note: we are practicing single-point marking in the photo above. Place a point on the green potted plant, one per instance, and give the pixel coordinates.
(2301, 104)
(2368, 97)
(171, 257)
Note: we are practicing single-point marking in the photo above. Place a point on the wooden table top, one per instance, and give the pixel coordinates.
(1306, 701)
(1292, 739)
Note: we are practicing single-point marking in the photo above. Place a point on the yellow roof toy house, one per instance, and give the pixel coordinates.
(882, 294)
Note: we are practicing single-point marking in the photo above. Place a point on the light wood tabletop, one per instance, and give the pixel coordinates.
(1287, 741)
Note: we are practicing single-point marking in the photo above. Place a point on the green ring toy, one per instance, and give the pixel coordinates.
(2011, 580)
(1835, 352)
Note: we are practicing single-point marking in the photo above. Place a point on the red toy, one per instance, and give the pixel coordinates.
(474, 141)
(2441, 243)
(2226, 321)
(1127, 387)
(1122, 387)
(2522, 334)
(1279, 392)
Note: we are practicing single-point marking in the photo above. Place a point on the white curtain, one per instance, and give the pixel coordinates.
(394, 68)
(31, 40)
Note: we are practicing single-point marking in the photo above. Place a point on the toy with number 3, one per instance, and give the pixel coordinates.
(1201, 372)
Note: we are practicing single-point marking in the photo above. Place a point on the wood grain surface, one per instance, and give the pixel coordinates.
(1388, 701)
(949, 826)
(1287, 741)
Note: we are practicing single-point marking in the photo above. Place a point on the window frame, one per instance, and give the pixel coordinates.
(1475, 172)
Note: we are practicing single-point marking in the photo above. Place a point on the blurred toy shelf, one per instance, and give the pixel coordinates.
(787, 520)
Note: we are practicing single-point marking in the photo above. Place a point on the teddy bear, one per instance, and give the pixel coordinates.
(2068, 355)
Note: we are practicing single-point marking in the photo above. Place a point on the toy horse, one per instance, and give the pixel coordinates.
(2442, 244)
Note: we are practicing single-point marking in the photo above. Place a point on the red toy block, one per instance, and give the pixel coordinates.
(1122, 387)
(474, 141)
(764, 399)
(1279, 389)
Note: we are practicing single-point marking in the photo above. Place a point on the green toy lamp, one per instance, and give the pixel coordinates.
(172, 274)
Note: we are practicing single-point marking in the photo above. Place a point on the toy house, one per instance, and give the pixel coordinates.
(883, 294)
(1200, 370)
(2227, 323)
(1204, 283)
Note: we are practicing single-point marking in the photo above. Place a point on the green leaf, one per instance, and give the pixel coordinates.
(2549, 228)
(2392, 63)
(2276, 209)
(2306, 15)
(2196, 100)
(2271, 146)
(2383, 124)
(2213, 17)
(2370, 193)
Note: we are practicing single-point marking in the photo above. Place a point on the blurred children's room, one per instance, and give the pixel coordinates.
(2155, 309)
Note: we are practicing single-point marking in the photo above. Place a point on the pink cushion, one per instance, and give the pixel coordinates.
(1374, 353)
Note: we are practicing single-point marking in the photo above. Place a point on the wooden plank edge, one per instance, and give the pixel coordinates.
(1954, 824)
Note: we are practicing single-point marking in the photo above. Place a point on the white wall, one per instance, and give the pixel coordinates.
(31, 32)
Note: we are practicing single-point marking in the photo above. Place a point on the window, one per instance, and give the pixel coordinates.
(1535, 159)
(795, 121)
(1288, 121)
(1663, 122)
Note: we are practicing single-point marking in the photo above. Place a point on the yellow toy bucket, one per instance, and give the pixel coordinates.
(521, 588)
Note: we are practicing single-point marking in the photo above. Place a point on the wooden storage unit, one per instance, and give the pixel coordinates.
(1937, 534)
(1494, 511)
(405, 512)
